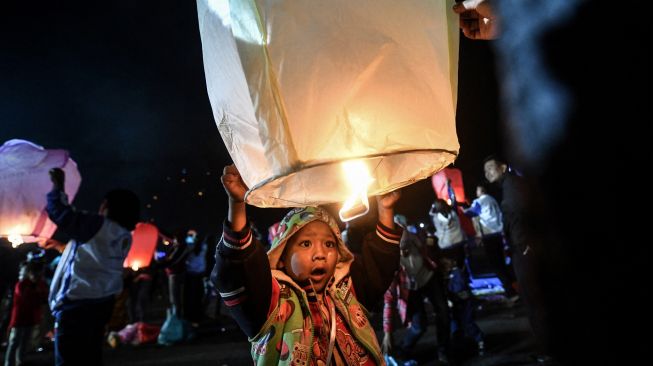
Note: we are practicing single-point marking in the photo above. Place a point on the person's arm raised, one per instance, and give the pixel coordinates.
(236, 188)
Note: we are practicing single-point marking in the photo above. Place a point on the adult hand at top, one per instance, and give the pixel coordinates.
(478, 19)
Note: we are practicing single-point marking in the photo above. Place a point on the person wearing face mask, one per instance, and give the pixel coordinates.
(175, 269)
(195, 275)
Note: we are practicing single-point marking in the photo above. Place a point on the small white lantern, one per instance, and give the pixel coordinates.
(24, 184)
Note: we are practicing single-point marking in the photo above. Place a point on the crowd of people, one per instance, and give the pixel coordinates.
(310, 271)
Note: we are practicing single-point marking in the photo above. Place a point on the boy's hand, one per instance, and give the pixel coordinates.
(233, 184)
(58, 178)
(385, 206)
(388, 200)
(236, 188)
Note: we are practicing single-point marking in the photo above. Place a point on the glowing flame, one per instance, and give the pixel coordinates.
(135, 266)
(359, 179)
(15, 238)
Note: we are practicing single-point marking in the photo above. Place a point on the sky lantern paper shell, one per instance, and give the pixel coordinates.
(24, 184)
(144, 239)
(439, 182)
(298, 87)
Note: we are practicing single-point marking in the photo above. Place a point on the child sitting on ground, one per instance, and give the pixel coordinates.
(304, 304)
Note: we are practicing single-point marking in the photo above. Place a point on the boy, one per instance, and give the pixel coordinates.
(304, 304)
(29, 296)
(89, 273)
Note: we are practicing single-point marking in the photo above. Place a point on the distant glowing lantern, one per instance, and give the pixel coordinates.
(441, 188)
(447, 183)
(299, 89)
(144, 239)
(24, 184)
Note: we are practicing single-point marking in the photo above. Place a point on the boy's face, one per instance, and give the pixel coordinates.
(311, 253)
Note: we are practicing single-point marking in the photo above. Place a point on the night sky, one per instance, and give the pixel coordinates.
(122, 88)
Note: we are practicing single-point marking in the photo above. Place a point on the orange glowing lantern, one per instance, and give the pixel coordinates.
(144, 239)
(453, 177)
(441, 188)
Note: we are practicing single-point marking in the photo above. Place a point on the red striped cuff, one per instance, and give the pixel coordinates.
(390, 235)
(237, 240)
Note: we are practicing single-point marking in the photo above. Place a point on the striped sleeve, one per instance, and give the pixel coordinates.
(388, 235)
(235, 297)
(236, 240)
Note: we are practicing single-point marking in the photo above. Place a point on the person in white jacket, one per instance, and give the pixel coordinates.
(89, 274)
(489, 232)
(451, 242)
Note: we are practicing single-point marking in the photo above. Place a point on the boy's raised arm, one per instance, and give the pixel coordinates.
(236, 188)
(373, 270)
(242, 271)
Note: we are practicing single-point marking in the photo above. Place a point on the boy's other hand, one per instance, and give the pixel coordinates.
(58, 178)
(233, 183)
(385, 207)
(387, 201)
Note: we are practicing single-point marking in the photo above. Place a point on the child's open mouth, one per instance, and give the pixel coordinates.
(318, 273)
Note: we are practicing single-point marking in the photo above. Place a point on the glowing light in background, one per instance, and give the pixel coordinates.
(358, 179)
(15, 238)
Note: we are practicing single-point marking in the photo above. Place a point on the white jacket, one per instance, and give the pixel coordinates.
(448, 229)
(91, 270)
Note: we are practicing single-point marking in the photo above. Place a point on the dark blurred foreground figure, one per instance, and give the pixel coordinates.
(89, 274)
(520, 225)
(575, 77)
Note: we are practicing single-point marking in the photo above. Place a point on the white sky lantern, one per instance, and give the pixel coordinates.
(300, 87)
(24, 183)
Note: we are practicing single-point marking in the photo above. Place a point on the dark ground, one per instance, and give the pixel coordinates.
(220, 342)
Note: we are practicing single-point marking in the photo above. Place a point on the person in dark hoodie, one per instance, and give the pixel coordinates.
(89, 274)
(304, 303)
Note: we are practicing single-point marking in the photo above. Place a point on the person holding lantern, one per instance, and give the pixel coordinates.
(89, 273)
(305, 302)
(451, 243)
